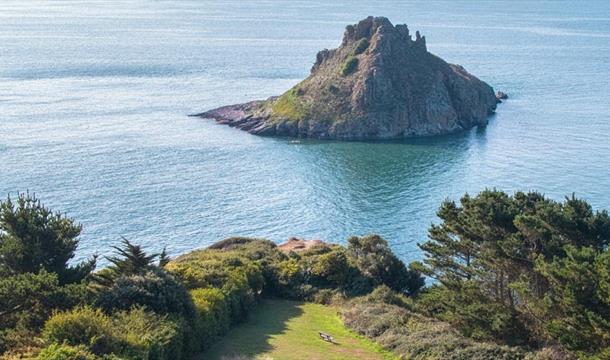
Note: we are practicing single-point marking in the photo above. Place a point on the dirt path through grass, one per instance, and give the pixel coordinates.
(288, 330)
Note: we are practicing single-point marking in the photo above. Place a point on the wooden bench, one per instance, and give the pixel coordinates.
(326, 337)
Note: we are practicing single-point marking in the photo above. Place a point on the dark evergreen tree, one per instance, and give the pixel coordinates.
(511, 267)
(164, 258)
(33, 238)
(130, 259)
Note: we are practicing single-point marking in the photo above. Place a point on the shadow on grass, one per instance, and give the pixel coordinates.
(252, 338)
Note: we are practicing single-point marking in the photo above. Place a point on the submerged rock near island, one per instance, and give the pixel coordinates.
(379, 84)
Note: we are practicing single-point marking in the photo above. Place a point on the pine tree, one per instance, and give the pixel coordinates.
(33, 238)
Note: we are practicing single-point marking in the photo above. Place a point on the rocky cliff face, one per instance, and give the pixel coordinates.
(379, 84)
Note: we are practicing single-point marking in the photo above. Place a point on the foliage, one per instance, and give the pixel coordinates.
(212, 313)
(376, 261)
(164, 258)
(578, 299)
(33, 238)
(385, 295)
(155, 288)
(131, 259)
(360, 46)
(145, 335)
(133, 334)
(213, 267)
(82, 326)
(66, 352)
(332, 268)
(521, 269)
(349, 66)
(290, 105)
(226, 281)
(27, 300)
(412, 336)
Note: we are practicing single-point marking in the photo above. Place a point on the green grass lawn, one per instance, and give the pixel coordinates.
(281, 329)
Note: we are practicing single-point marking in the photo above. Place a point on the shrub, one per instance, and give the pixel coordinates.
(289, 275)
(66, 352)
(133, 334)
(333, 268)
(412, 336)
(211, 267)
(239, 295)
(82, 326)
(156, 289)
(27, 300)
(375, 260)
(212, 314)
(361, 46)
(383, 294)
(328, 297)
(349, 66)
(146, 335)
(231, 243)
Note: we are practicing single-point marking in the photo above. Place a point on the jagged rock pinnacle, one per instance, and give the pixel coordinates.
(379, 84)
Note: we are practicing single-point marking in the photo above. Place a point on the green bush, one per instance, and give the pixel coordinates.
(289, 276)
(333, 268)
(66, 352)
(156, 289)
(385, 295)
(133, 334)
(232, 243)
(27, 300)
(145, 335)
(213, 317)
(82, 326)
(239, 295)
(349, 66)
(412, 336)
(375, 260)
(211, 267)
(361, 46)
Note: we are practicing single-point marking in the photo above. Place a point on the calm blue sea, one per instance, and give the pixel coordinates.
(94, 97)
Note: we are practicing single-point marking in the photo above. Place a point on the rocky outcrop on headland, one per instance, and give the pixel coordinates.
(379, 84)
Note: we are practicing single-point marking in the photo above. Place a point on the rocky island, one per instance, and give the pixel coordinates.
(379, 84)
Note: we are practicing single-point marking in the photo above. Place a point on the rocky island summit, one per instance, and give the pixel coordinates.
(379, 84)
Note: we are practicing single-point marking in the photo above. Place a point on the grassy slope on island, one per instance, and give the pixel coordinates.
(282, 329)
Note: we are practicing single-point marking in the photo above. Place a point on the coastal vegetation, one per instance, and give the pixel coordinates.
(290, 106)
(514, 276)
(349, 66)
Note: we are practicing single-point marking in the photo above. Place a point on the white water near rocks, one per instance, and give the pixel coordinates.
(94, 98)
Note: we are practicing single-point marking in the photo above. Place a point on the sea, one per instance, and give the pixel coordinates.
(95, 98)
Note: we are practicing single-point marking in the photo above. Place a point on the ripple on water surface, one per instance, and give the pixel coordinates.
(94, 99)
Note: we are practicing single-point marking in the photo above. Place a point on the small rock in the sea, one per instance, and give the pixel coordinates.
(500, 95)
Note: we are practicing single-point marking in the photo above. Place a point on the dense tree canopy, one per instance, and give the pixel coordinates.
(523, 268)
(33, 238)
(508, 269)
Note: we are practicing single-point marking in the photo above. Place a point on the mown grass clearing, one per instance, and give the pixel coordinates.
(281, 329)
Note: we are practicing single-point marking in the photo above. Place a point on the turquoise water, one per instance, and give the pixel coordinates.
(94, 98)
